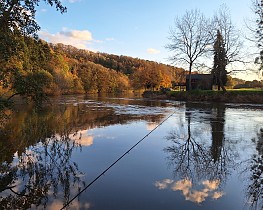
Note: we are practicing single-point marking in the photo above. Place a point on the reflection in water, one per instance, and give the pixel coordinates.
(194, 160)
(40, 171)
(208, 189)
(74, 205)
(151, 126)
(217, 126)
(255, 187)
(36, 147)
(47, 156)
(82, 137)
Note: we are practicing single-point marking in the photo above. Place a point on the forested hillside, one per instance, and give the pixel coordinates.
(34, 68)
(142, 74)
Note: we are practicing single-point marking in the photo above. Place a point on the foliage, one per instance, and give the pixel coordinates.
(220, 61)
(33, 69)
(232, 96)
(141, 73)
(38, 69)
(32, 84)
(19, 15)
(22, 58)
(249, 84)
(23, 67)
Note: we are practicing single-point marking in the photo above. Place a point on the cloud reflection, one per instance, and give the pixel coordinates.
(208, 189)
(74, 205)
(151, 126)
(82, 137)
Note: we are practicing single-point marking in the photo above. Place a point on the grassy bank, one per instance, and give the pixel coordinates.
(254, 96)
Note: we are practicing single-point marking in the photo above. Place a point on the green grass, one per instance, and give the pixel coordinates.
(232, 96)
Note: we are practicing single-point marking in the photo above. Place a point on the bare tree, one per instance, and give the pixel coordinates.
(190, 39)
(231, 36)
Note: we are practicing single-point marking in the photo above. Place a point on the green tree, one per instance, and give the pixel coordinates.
(21, 57)
(220, 61)
(19, 15)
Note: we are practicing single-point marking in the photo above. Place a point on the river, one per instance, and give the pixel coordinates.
(189, 155)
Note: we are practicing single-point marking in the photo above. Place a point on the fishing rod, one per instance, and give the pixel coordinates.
(116, 161)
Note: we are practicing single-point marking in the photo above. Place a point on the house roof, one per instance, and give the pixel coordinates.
(200, 76)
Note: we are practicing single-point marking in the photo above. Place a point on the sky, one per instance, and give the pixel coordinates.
(136, 28)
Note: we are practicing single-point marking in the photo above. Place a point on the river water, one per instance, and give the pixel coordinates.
(196, 156)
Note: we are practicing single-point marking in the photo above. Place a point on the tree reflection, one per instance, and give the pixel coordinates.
(36, 149)
(194, 159)
(35, 159)
(40, 171)
(219, 152)
(187, 155)
(255, 187)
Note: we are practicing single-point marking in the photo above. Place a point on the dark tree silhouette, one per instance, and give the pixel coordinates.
(189, 157)
(189, 39)
(39, 173)
(255, 187)
(220, 61)
(194, 160)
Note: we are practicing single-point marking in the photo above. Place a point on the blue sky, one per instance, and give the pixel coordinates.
(137, 28)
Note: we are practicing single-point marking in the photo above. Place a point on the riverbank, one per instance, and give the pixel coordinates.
(231, 96)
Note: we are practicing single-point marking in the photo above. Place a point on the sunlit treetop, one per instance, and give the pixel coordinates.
(19, 15)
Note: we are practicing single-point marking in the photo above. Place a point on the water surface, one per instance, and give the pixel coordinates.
(204, 156)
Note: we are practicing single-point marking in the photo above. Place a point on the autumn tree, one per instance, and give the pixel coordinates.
(220, 61)
(189, 39)
(148, 76)
(18, 64)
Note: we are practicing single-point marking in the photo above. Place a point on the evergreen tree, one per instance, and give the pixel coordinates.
(220, 61)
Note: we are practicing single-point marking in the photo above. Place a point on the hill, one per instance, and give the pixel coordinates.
(33, 68)
(141, 73)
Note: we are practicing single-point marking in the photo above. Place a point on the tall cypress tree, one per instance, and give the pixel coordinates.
(220, 61)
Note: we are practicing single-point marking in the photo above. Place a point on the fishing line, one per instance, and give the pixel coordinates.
(102, 173)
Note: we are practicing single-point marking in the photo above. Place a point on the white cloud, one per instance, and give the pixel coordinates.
(76, 38)
(208, 189)
(76, 34)
(152, 51)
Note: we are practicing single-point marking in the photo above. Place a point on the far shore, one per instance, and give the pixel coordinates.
(231, 96)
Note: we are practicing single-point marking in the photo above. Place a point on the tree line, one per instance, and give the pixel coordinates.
(33, 68)
(38, 69)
